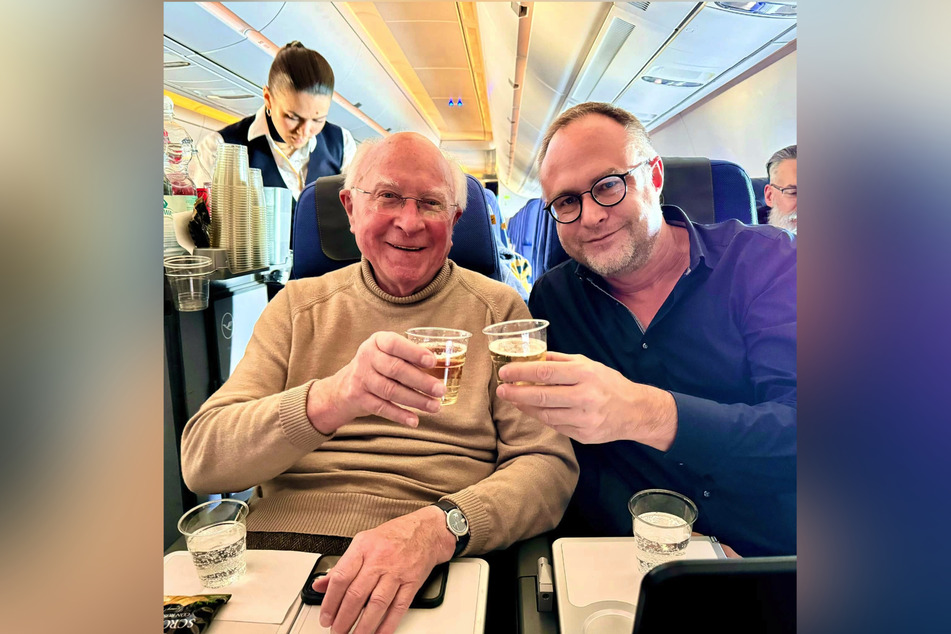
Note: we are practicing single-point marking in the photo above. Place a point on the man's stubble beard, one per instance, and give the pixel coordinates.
(630, 256)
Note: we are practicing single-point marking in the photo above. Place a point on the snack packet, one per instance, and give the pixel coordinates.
(191, 615)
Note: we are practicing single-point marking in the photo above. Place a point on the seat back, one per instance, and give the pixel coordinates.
(522, 227)
(759, 189)
(708, 190)
(322, 241)
(495, 216)
(554, 254)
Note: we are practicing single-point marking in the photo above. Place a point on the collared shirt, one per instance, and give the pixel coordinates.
(724, 345)
(293, 168)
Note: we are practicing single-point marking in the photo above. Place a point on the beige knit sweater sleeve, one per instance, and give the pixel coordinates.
(264, 429)
(536, 471)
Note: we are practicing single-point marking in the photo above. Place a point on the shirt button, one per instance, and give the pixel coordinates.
(680, 464)
(644, 345)
(706, 494)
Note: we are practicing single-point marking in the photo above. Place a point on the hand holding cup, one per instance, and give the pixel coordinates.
(385, 377)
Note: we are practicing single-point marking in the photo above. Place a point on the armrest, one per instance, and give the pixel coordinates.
(530, 619)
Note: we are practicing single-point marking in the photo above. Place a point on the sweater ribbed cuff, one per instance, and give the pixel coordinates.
(478, 518)
(294, 422)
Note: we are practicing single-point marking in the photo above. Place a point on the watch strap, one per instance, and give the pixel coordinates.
(461, 540)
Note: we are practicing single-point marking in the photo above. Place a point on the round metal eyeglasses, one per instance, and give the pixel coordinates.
(388, 202)
(607, 192)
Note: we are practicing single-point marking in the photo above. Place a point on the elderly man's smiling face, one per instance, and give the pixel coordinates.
(406, 245)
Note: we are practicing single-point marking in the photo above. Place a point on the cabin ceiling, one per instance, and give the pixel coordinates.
(400, 63)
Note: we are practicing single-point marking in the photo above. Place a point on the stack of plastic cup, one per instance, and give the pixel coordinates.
(232, 205)
(188, 278)
(258, 219)
(279, 223)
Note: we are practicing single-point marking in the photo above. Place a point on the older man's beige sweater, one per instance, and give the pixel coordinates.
(510, 475)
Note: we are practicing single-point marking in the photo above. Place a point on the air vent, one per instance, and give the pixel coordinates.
(761, 9)
(660, 81)
(639, 5)
(617, 33)
(677, 75)
(181, 64)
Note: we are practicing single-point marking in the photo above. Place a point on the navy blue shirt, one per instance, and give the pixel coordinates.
(724, 345)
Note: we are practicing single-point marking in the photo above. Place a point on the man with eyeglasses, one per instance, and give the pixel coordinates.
(672, 345)
(332, 417)
(780, 194)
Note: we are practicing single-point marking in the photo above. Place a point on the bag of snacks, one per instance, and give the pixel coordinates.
(191, 615)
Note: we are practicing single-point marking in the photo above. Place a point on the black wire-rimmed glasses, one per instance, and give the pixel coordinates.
(388, 202)
(785, 191)
(607, 192)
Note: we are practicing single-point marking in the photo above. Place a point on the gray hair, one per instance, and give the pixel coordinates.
(636, 132)
(458, 184)
(788, 152)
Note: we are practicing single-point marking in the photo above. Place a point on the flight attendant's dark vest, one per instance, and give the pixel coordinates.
(325, 160)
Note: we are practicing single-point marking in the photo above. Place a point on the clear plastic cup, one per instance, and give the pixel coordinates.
(450, 346)
(188, 277)
(663, 522)
(516, 341)
(215, 533)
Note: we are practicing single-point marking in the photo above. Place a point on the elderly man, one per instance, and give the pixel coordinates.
(676, 362)
(333, 420)
(780, 193)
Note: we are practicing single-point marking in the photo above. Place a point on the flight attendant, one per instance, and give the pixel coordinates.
(289, 138)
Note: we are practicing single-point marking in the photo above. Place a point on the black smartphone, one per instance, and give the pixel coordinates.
(430, 595)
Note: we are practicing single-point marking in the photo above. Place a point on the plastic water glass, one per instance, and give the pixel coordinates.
(663, 522)
(188, 277)
(215, 533)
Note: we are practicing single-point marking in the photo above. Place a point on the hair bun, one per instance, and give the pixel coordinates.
(294, 44)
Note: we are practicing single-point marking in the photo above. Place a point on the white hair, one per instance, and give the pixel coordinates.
(458, 183)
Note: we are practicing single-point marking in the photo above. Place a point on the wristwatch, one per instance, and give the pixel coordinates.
(457, 524)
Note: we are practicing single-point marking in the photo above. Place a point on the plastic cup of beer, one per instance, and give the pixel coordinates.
(450, 346)
(215, 535)
(516, 341)
(663, 523)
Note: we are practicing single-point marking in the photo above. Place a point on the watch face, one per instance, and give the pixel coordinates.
(457, 522)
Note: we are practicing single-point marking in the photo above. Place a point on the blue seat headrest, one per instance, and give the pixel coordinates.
(707, 190)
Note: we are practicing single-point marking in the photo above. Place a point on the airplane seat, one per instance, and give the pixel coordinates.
(707, 190)
(522, 228)
(540, 242)
(474, 243)
(495, 216)
(759, 189)
(759, 192)
(550, 253)
(322, 241)
(732, 193)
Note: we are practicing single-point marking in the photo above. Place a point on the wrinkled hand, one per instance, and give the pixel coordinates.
(383, 378)
(382, 570)
(590, 402)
